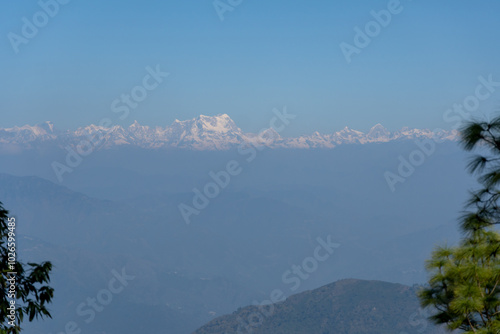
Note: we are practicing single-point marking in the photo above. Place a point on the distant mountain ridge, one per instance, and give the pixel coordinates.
(348, 306)
(218, 132)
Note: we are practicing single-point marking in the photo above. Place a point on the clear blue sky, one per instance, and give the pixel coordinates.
(265, 54)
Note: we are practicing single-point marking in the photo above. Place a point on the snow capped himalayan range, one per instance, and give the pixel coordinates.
(202, 133)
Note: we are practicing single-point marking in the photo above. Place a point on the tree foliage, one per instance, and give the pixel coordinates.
(32, 294)
(483, 204)
(464, 284)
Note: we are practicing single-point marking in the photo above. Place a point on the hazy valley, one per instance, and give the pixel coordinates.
(119, 210)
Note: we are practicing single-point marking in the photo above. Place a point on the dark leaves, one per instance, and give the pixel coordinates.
(32, 295)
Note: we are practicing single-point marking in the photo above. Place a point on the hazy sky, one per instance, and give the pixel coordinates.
(263, 55)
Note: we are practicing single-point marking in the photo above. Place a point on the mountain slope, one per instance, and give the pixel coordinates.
(346, 306)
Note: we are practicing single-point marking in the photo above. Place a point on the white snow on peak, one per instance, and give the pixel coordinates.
(379, 133)
(47, 126)
(204, 132)
(219, 123)
(378, 127)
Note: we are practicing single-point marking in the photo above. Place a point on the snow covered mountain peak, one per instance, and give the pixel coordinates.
(134, 125)
(47, 126)
(377, 127)
(204, 132)
(379, 132)
(221, 123)
(347, 130)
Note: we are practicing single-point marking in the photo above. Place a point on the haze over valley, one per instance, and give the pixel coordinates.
(249, 167)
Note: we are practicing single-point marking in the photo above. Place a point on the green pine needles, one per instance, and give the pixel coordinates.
(464, 284)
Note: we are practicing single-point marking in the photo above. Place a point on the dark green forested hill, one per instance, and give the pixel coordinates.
(347, 306)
